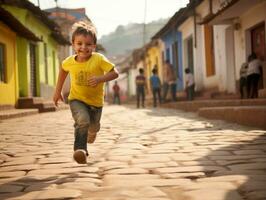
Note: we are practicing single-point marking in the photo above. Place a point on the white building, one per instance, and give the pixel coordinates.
(239, 29)
(218, 37)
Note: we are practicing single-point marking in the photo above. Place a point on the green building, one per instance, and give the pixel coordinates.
(29, 43)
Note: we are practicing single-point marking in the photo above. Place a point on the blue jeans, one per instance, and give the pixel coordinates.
(87, 119)
(156, 92)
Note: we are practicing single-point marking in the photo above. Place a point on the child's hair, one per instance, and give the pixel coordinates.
(154, 70)
(187, 70)
(141, 71)
(84, 28)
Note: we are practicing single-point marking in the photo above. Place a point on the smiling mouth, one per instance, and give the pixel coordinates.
(84, 52)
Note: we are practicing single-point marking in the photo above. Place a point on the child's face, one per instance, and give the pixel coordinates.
(83, 46)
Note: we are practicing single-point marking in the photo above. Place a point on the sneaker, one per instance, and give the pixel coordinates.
(80, 156)
(91, 137)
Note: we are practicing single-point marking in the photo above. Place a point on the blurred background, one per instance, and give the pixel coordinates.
(212, 38)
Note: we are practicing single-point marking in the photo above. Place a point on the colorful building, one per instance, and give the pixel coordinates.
(240, 30)
(28, 47)
(172, 39)
(153, 59)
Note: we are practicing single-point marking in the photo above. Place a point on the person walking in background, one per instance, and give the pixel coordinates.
(88, 71)
(190, 84)
(253, 75)
(243, 80)
(156, 87)
(140, 86)
(116, 91)
(169, 80)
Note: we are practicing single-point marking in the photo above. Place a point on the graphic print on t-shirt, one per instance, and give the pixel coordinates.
(82, 78)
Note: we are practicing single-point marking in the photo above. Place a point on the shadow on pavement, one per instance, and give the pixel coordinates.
(244, 165)
(238, 152)
(20, 187)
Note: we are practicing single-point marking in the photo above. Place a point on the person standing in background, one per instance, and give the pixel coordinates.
(169, 80)
(156, 87)
(190, 84)
(140, 86)
(253, 75)
(116, 91)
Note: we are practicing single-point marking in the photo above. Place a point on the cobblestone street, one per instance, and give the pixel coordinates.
(139, 154)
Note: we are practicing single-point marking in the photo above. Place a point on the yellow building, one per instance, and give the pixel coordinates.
(28, 52)
(153, 58)
(8, 66)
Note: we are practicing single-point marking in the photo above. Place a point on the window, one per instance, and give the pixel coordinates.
(3, 78)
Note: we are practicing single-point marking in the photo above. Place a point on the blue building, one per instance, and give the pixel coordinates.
(172, 40)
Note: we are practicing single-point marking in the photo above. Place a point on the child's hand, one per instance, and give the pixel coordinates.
(94, 81)
(57, 97)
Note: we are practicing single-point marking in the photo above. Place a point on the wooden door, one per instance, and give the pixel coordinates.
(258, 46)
(175, 57)
(190, 59)
(258, 41)
(209, 50)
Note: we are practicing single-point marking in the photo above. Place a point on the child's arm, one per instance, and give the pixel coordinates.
(60, 81)
(111, 75)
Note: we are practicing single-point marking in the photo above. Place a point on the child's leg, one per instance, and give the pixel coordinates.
(119, 100)
(143, 97)
(190, 93)
(154, 97)
(81, 117)
(94, 127)
(159, 96)
(193, 91)
(249, 86)
(138, 97)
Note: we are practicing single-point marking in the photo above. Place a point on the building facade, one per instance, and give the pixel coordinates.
(28, 52)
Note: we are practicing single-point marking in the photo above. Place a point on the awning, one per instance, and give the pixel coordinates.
(231, 11)
(39, 14)
(16, 26)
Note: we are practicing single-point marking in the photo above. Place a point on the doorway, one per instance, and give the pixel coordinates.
(258, 41)
(258, 45)
(190, 59)
(33, 85)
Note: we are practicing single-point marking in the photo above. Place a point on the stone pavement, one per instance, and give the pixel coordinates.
(140, 154)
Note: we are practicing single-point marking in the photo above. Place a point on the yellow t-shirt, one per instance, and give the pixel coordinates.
(97, 65)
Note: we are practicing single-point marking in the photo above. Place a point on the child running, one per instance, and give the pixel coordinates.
(88, 71)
